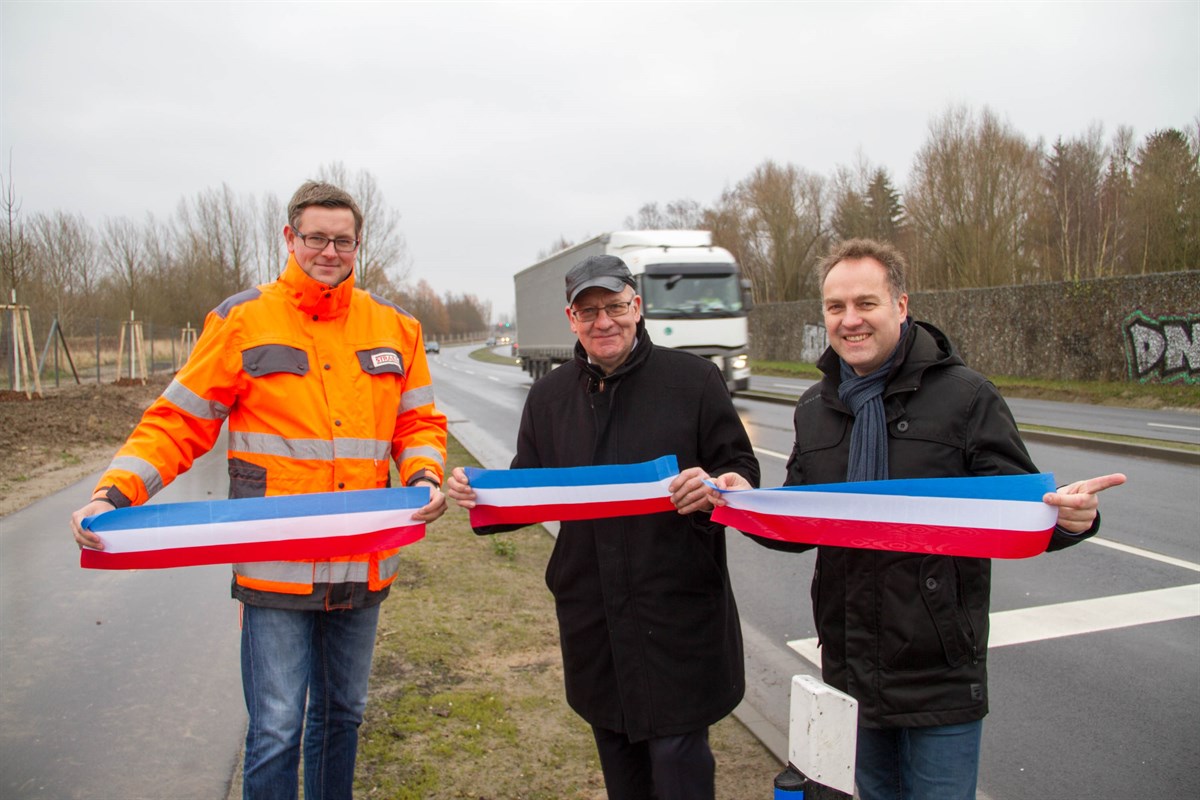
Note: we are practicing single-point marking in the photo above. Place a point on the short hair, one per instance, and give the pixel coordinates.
(884, 252)
(326, 195)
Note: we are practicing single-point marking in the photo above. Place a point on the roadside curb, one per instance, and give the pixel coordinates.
(1171, 454)
(1077, 439)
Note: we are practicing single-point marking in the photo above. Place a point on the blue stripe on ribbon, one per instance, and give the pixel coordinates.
(646, 472)
(250, 509)
(992, 487)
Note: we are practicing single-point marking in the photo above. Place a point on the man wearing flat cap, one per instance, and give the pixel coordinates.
(651, 642)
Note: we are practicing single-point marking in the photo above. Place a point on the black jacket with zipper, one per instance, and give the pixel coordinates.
(906, 633)
(651, 639)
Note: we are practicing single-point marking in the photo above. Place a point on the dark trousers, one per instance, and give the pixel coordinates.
(663, 768)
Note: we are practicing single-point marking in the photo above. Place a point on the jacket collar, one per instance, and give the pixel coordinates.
(641, 351)
(312, 296)
(924, 346)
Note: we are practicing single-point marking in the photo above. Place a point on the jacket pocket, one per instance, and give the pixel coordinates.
(940, 593)
(246, 479)
(269, 359)
(927, 634)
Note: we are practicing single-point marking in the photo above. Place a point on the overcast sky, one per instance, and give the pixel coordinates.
(494, 128)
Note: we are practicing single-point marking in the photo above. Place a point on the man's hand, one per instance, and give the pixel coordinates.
(689, 493)
(729, 482)
(85, 538)
(436, 505)
(1077, 503)
(459, 488)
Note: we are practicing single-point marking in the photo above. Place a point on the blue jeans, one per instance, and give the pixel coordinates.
(289, 657)
(937, 763)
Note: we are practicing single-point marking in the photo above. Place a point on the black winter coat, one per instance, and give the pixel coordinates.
(906, 633)
(651, 639)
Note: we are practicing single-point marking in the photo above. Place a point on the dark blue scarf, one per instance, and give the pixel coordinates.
(868, 439)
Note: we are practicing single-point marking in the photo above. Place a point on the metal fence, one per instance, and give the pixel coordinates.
(37, 347)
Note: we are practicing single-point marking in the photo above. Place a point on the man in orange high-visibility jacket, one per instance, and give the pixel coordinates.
(322, 385)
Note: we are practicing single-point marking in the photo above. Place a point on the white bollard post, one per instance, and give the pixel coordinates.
(822, 736)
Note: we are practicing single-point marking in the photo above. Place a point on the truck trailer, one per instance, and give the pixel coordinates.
(693, 298)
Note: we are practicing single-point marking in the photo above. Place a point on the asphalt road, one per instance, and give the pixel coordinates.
(115, 685)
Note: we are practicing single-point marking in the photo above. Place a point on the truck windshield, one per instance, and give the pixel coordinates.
(681, 294)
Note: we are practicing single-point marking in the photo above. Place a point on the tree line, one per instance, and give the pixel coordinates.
(172, 271)
(984, 206)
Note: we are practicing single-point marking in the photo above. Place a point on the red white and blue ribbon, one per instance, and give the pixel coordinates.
(526, 496)
(283, 528)
(987, 517)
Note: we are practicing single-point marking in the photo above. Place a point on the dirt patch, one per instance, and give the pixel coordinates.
(60, 437)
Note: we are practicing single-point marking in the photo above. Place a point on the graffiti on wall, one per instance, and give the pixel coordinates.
(1165, 349)
(815, 342)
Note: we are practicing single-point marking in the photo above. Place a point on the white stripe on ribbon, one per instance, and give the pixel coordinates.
(140, 540)
(1017, 515)
(572, 495)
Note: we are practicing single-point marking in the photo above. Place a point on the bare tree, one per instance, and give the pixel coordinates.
(124, 249)
(784, 228)
(557, 246)
(270, 251)
(65, 250)
(973, 185)
(466, 313)
(14, 250)
(424, 304)
(683, 214)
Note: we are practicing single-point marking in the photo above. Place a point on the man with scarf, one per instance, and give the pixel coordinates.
(650, 635)
(321, 385)
(906, 633)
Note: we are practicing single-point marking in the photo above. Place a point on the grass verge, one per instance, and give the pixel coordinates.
(466, 689)
(486, 355)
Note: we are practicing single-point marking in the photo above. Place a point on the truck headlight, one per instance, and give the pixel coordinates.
(741, 362)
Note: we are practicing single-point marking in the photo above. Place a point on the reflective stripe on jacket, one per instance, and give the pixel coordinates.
(321, 389)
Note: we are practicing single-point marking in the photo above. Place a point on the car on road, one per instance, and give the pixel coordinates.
(491, 341)
(432, 347)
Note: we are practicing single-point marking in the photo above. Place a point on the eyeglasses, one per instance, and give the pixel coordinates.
(318, 242)
(613, 310)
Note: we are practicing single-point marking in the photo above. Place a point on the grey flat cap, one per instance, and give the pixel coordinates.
(607, 272)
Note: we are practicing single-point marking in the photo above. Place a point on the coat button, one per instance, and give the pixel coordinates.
(341, 485)
(328, 367)
(337, 422)
(902, 425)
(931, 583)
(314, 317)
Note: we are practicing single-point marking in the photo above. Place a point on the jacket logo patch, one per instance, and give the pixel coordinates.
(381, 359)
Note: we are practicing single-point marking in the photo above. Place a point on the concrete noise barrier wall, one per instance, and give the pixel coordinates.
(1142, 328)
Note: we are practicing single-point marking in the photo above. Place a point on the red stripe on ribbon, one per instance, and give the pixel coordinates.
(527, 515)
(287, 550)
(899, 537)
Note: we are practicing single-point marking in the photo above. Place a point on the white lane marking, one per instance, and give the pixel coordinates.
(1172, 427)
(785, 385)
(1098, 614)
(1137, 551)
(771, 453)
(1072, 618)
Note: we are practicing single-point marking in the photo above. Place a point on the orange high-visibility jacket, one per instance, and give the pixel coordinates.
(321, 387)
